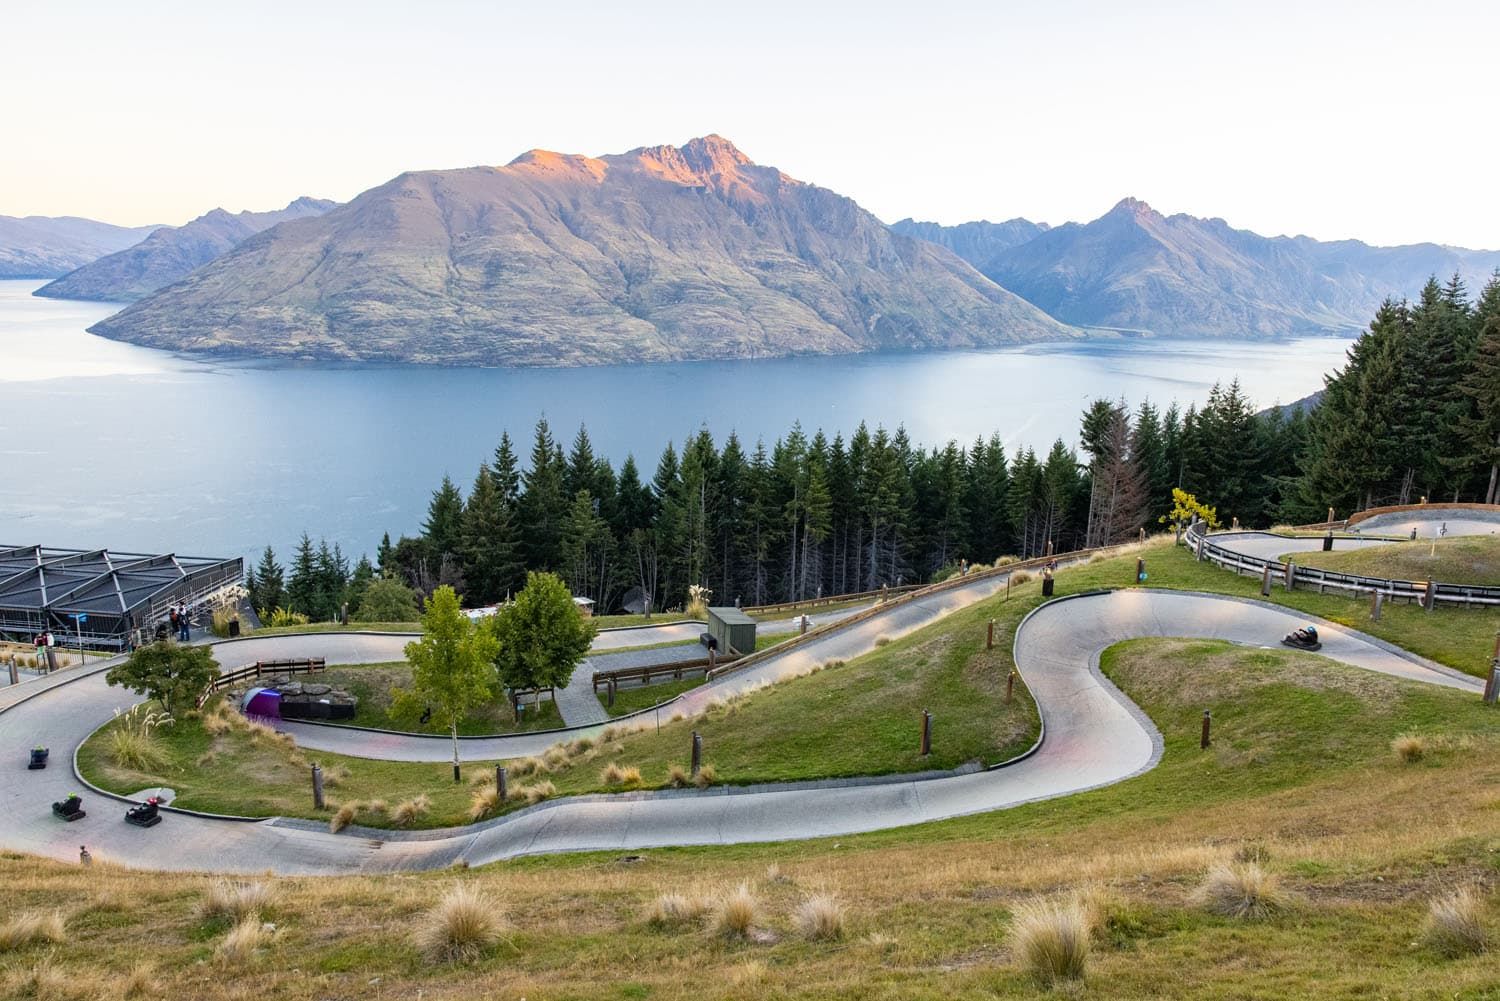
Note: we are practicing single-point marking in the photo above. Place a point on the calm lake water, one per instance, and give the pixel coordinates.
(106, 444)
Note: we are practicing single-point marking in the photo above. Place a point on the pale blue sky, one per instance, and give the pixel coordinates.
(1333, 119)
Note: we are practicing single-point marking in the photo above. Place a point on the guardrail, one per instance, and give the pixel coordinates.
(643, 675)
(832, 599)
(310, 665)
(1291, 575)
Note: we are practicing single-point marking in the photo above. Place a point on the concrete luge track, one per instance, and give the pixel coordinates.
(1093, 736)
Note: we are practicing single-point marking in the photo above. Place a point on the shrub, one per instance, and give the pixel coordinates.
(527, 766)
(131, 742)
(736, 913)
(1241, 890)
(140, 981)
(407, 813)
(31, 928)
(1020, 577)
(283, 617)
(222, 616)
(819, 918)
(461, 928)
(580, 746)
(539, 791)
(1051, 939)
(677, 777)
(671, 910)
(484, 802)
(555, 756)
(614, 775)
(706, 777)
(344, 817)
(1409, 747)
(243, 940)
(236, 901)
(388, 600)
(697, 603)
(333, 776)
(1455, 924)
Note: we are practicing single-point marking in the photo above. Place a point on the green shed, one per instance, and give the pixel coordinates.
(734, 630)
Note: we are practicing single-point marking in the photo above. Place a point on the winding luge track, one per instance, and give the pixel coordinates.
(1094, 736)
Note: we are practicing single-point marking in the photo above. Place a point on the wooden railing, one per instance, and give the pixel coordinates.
(644, 675)
(832, 599)
(309, 665)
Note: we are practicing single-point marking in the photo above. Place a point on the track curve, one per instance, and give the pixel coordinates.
(1094, 737)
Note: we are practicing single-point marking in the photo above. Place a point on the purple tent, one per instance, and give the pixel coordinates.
(262, 702)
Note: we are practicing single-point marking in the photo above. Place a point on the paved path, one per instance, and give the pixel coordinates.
(1094, 737)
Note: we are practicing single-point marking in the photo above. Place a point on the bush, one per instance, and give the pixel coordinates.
(484, 802)
(735, 915)
(387, 600)
(1051, 939)
(31, 928)
(1020, 577)
(677, 777)
(1241, 890)
(344, 817)
(222, 616)
(131, 742)
(614, 775)
(169, 672)
(236, 901)
(461, 928)
(1455, 924)
(283, 617)
(407, 813)
(706, 777)
(819, 919)
(1409, 747)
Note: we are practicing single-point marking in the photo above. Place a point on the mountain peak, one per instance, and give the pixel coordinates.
(1134, 207)
(707, 160)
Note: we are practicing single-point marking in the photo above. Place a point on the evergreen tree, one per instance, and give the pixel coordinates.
(488, 542)
(506, 472)
(269, 589)
(542, 506)
(302, 587)
(443, 528)
(1481, 427)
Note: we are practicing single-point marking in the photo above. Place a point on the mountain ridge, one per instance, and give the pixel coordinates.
(662, 253)
(50, 246)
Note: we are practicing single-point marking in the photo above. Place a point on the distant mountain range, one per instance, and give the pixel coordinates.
(170, 253)
(46, 247)
(1134, 269)
(658, 254)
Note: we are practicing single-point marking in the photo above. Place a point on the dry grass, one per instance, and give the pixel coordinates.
(131, 742)
(484, 803)
(735, 914)
(706, 777)
(1051, 939)
(1455, 924)
(538, 791)
(1409, 747)
(673, 910)
(31, 928)
(882, 640)
(527, 766)
(1241, 890)
(619, 777)
(140, 981)
(343, 817)
(236, 901)
(677, 777)
(247, 937)
(407, 813)
(461, 928)
(819, 918)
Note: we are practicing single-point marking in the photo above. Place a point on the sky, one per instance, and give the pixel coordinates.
(1331, 119)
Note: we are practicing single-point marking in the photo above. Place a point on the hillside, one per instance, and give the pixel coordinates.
(1136, 269)
(45, 247)
(168, 254)
(979, 243)
(658, 254)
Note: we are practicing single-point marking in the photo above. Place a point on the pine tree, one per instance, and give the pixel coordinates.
(1481, 428)
(269, 590)
(542, 506)
(302, 587)
(505, 471)
(444, 525)
(488, 542)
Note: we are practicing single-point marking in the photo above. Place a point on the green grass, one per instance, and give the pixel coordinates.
(629, 700)
(372, 684)
(335, 627)
(1471, 559)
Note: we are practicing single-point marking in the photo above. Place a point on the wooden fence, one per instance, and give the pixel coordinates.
(832, 599)
(310, 665)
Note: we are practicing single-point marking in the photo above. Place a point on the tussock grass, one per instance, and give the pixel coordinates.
(616, 776)
(819, 918)
(736, 912)
(677, 777)
(1241, 890)
(246, 938)
(1409, 747)
(132, 743)
(1020, 577)
(1455, 924)
(407, 813)
(673, 910)
(1051, 939)
(236, 901)
(882, 641)
(527, 766)
(344, 817)
(334, 775)
(537, 791)
(706, 777)
(484, 803)
(31, 928)
(140, 981)
(555, 756)
(462, 927)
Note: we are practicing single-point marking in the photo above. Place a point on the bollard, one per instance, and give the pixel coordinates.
(1049, 548)
(1207, 720)
(697, 752)
(1429, 597)
(1265, 582)
(610, 688)
(1140, 571)
(1377, 602)
(1492, 686)
(502, 783)
(1328, 542)
(1202, 547)
(1143, 535)
(713, 659)
(1010, 686)
(456, 776)
(926, 733)
(1291, 575)
(1235, 527)
(15, 674)
(317, 777)
(804, 626)
(989, 639)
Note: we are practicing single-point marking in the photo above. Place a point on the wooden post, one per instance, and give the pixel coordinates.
(1049, 548)
(1236, 524)
(989, 639)
(611, 689)
(1140, 571)
(1330, 516)
(502, 783)
(1207, 721)
(697, 752)
(1376, 602)
(926, 733)
(804, 626)
(456, 776)
(713, 659)
(317, 777)
(1143, 535)
(1010, 686)
(1429, 598)
(1265, 581)
(1007, 586)
(1291, 575)
(1492, 686)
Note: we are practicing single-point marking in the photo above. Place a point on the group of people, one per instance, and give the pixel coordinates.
(179, 622)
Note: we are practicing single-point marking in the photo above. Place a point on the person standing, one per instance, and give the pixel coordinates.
(84, 858)
(182, 623)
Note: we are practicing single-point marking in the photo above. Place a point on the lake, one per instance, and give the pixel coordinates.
(111, 445)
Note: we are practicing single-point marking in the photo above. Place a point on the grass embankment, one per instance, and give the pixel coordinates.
(1471, 559)
(335, 627)
(1301, 777)
(372, 684)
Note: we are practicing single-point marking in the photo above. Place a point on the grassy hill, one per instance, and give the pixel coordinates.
(1471, 559)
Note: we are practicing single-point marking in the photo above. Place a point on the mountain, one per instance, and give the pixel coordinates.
(1136, 269)
(979, 243)
(658, 254)
(168, 254)
(44, 247)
